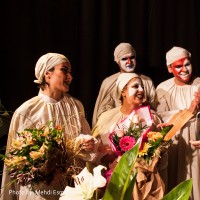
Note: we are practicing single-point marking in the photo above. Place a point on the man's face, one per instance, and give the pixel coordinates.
(128, 63)
(182, 70)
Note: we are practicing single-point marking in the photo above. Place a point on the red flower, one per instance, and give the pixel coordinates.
(58, 127)
(126, 143)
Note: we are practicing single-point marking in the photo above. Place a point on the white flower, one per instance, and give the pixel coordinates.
(85, 185)
(136, 119)
(120, 133)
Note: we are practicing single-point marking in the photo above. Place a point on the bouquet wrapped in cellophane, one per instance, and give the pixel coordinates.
(140, 158)
(37, 154)
(138, 128)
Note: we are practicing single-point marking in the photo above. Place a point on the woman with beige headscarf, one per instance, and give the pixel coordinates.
(53, 103)
(130, 90)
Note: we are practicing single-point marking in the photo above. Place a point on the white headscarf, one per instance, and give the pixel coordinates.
(122, 80)
(175, 54)
(46, 62)
(123, 49)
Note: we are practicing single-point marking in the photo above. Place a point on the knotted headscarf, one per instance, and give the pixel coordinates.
(46, 62)
(123, 49)
(122, 80)
(175, 54)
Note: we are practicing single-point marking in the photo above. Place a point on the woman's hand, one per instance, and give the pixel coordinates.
(195, 143)
(88, 144)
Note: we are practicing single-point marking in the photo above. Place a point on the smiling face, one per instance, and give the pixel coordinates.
(133, 92)
(182, 70)
(127, 63)
(60, 78)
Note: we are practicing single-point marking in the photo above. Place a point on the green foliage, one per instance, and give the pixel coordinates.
(180, 192)
(123, 178)
(166, 129)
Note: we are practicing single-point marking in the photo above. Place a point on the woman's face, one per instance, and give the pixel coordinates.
(134, 92)
(60, 78)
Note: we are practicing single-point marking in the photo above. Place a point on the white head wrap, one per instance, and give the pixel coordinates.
(122, 80)
(175, 54)
(46, 62)
(123, 49)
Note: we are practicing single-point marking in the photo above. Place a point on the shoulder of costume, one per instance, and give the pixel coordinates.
(166, 84)
(110, 112)
(111, 78)
(164, 87)
(196, 81)
(27, 105)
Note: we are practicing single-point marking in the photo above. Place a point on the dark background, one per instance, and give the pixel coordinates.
(87, 31)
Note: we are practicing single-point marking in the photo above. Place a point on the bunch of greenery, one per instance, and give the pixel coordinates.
(123, 179)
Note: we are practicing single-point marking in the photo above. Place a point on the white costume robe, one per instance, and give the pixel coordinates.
(184, 159)
(107, 99)
(36, 112)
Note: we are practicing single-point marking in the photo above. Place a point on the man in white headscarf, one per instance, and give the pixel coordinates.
(173, 95)
(53, 103)
(125, 57)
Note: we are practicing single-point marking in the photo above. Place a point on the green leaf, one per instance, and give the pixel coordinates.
(35, 147)
(122, 177)
(180, 192)
(129, 191)
(166, 129)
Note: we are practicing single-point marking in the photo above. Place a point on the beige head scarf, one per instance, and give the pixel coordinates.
(175, 54)
(122, 80)
(123, 49)
(46, 62)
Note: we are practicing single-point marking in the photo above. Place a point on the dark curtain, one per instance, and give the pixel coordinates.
(87, 31)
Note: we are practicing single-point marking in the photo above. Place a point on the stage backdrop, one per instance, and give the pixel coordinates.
(87, 31)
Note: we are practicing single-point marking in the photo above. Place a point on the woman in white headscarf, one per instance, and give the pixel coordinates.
(53, 103)
(131, 91)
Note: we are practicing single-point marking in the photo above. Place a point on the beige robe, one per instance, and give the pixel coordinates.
(184, 159)
(107, 99)
(39, 110)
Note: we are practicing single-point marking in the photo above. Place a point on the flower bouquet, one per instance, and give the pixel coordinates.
(35, 154)
(121, 186)
(137, 129)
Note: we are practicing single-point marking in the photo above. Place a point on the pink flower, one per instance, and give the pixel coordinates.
(108, 174)
(126, 143)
